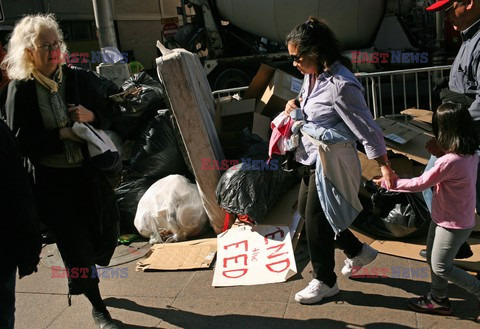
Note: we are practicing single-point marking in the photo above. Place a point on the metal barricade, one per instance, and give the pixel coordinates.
(217, 94)
(405, 89)
(386, 92)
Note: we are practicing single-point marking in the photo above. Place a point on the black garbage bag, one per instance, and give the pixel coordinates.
(156, 152)
(139, 102)
(236, 143)
(253, 186)
(394, 215)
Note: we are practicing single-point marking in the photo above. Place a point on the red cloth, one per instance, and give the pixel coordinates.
(281, 130)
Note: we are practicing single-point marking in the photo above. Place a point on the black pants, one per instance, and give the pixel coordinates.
(67, 207)
(320, 235)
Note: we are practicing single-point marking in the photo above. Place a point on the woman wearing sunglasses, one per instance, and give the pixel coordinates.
(336, 116)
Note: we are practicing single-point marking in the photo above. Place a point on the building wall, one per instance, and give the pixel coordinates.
(15, 9)
(141, 37)
(71, 9)
(138, 22)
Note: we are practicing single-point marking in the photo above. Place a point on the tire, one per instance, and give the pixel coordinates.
(231, 78)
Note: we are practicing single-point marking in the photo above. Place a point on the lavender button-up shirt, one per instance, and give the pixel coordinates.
(337, 95)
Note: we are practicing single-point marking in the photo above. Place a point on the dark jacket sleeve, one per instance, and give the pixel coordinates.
(19, 221)
(25, 121)
(92, 91)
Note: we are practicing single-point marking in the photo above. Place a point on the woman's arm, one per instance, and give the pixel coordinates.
(351, 107)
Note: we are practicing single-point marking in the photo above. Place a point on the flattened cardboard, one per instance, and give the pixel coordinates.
(421, 124)
(417, 112)
(370, 168)
(396, 131)
(425, 118)
(413, 148)
(187, 255)
(281, 88)
(411, 249)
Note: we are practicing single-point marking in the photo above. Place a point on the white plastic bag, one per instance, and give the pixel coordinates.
(171, 210)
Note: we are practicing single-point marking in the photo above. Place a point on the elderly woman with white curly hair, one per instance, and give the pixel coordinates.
(44, 99)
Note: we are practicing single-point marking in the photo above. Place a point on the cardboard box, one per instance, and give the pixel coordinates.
(237, 107)
(259, 82)
(237, 115)
(281, 88)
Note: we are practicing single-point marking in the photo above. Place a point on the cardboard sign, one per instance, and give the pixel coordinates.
(254, 255)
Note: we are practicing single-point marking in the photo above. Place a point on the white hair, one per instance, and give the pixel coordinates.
(18, 62)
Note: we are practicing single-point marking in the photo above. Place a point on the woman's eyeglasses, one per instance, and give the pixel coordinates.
(50, 47)
(296, 58)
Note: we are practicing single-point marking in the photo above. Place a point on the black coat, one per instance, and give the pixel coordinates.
(24, 118)
(19, 222)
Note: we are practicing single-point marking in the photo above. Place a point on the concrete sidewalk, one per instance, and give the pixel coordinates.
(186, 299)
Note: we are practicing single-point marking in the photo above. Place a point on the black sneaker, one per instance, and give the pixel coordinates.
(465, 251)
(103, 320)
(429, 304)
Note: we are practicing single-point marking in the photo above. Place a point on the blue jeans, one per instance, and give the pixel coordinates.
(427, 194)
(7, 300)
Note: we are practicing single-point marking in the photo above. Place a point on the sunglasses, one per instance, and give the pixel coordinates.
(296, 58)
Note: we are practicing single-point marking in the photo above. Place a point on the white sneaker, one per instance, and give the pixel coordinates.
(315, 291)
(353, 265)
